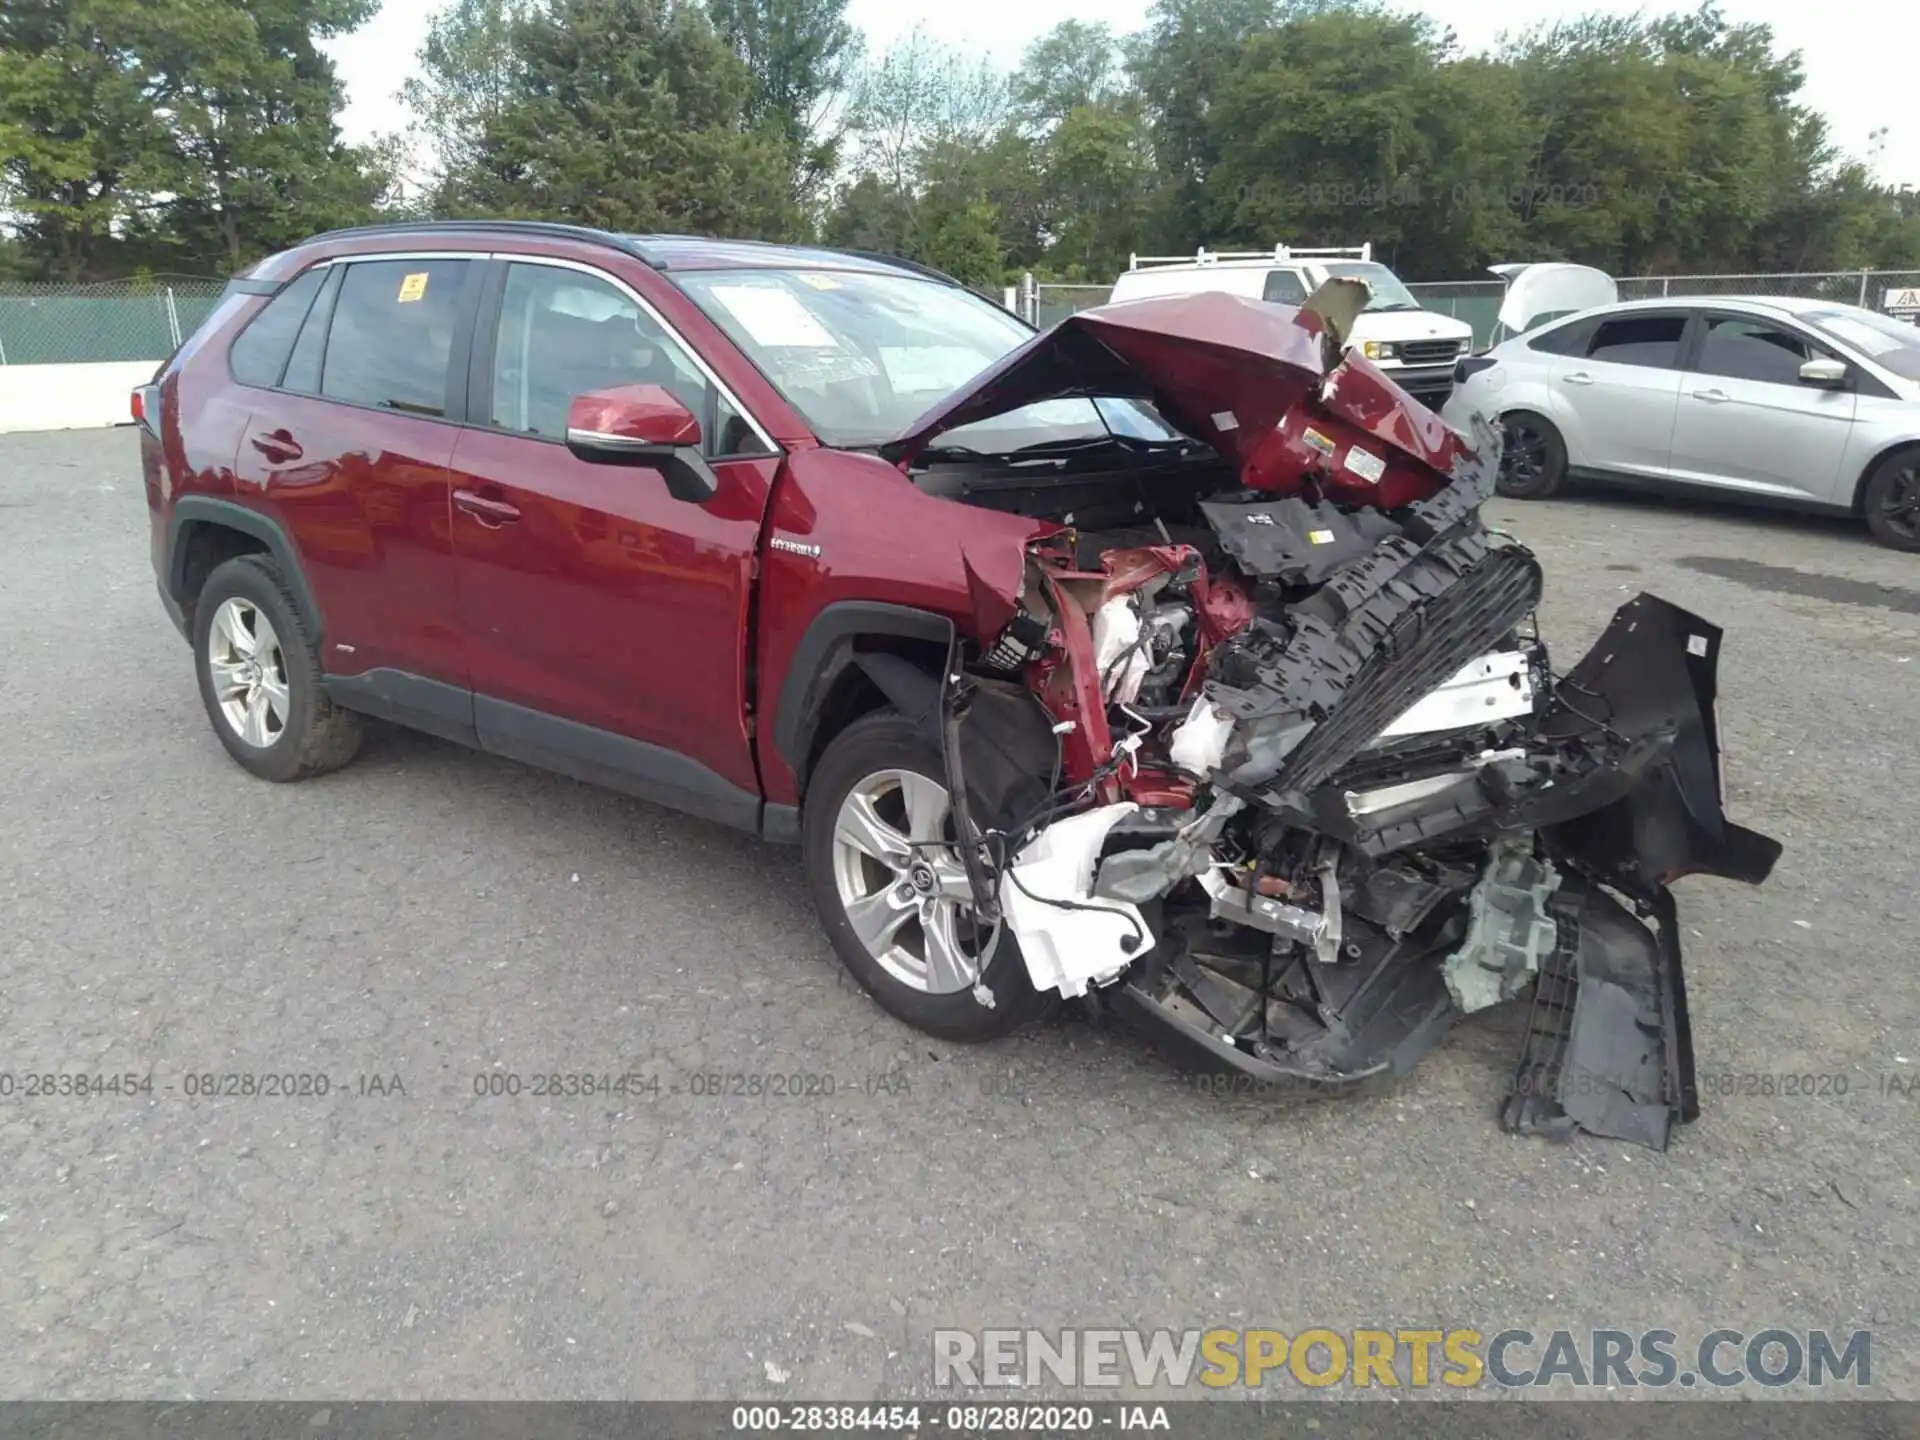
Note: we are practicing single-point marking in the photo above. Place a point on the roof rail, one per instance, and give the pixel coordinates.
(550, 228)
(882, 257)
(1205, 256)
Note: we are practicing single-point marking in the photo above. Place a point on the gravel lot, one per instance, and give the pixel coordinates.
(433, 914)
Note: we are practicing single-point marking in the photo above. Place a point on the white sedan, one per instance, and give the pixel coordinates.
(1805, 403)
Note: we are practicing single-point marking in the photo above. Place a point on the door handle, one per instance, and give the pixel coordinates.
(1712, 397)
(490, 513)
(278, 446)
(1579, 377)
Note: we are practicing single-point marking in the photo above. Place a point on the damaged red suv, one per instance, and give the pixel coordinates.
(1161, 659)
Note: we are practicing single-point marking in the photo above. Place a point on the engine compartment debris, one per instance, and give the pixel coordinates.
(1317, 786)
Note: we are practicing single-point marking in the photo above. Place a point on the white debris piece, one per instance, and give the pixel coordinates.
(1119, 658)
(1068, 947)
(1200, 740)
(1498, 686)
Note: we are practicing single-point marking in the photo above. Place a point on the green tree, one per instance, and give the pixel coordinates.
(255, 161)
(630, 114)
(1074, 66)
(801, 55)
(468, 67)
(1097, 176)
(81, 147)
(1176, 63)
(1348, 124)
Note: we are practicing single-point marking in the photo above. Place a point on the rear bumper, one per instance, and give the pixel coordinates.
(175, 611)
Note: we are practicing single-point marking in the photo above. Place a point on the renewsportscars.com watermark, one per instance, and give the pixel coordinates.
(1399, 1358)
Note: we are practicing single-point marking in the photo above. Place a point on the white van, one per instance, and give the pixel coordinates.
(1416, 347)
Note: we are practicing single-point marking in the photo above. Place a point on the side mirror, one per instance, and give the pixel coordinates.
(643, 425)
(1825, 372)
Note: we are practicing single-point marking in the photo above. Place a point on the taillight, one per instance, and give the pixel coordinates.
(145, 405)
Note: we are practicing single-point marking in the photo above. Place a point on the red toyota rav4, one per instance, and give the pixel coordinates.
(1160, 659)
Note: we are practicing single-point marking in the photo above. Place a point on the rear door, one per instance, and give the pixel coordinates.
(607, 620)
(1619, 397)
(1747, 421)
(346, 447)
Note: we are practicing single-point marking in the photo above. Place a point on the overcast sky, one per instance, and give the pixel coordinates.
(1859, 62)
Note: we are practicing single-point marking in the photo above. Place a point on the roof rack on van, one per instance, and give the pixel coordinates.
(1205, 256)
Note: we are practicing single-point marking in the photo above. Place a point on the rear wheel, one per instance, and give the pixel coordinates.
(259, 671)
(892, 891)
(1533, 459)
(1892, 501)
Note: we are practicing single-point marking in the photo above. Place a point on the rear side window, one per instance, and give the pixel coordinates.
(1651, 340)
(259, 352)
(1285, 287)
(303, 366)
(392, 334)
(1565, 339)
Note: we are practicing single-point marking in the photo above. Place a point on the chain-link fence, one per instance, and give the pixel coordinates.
(144, 319)
(1478, 301)
(1053, 303)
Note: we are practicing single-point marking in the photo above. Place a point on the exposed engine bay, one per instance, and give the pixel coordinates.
(1302, 784)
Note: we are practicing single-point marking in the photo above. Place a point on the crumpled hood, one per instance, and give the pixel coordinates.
(1224, 369)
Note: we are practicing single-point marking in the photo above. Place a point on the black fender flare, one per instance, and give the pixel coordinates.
(231, 515)
(827, 649)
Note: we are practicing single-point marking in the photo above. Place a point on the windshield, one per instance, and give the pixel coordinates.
(1388, 292)
(1886, 341)
(862, 356)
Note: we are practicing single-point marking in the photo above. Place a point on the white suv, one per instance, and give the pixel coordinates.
(1416, 347)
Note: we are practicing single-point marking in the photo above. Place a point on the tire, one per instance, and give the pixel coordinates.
(1533, 459)
(1891, 501)
(271, 713)
(918, 968)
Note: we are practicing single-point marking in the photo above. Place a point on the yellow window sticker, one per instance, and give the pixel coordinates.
(1317, 441)
(818, 281)
(413, 286)
(1320, 537)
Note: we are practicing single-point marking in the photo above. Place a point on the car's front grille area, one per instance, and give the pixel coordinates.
(1429, 352)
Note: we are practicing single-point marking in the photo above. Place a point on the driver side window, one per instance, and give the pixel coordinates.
(563, 333)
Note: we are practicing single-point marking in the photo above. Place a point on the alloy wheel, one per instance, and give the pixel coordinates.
(902, 883)
(1900, 505)
(1523, 458)
(249, 672)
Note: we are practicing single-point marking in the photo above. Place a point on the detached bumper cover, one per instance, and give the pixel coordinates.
(1622, 782)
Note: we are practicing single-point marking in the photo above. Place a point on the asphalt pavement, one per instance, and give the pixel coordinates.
(432, 928)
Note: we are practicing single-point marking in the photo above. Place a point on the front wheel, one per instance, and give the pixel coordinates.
(1533, 457)
(891, 889)
(1892, 501)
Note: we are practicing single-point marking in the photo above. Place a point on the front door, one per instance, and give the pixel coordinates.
(606, 620)
(1747, 421)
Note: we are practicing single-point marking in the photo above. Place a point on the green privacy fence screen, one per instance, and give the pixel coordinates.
(117, 320)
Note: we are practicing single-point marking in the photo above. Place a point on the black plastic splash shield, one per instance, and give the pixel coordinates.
(1609, 1046)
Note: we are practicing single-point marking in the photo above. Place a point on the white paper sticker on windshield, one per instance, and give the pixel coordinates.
(773, 317)
(1225, 420)
(1366, 465)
